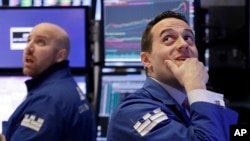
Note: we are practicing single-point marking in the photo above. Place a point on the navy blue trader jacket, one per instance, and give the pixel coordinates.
(55, 110)
(151, 114)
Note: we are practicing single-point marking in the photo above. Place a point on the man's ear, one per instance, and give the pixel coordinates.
(145, 59)
(61, 55)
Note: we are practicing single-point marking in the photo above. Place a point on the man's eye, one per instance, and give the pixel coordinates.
(188, 38)
(167, 38)
(41, 42)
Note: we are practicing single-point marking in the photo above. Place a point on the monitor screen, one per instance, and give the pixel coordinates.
(113, 89)
(18, 22)
(27, 3)
(124, 22)
(95, 5)
(12, 92)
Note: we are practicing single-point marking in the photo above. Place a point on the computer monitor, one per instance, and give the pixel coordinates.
(19, 21)
(113, 89)
(12, 92)
(29, 3)
(94, 5)
(124, 22)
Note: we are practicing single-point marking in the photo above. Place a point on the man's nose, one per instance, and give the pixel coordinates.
(29, 48)
(182, 44)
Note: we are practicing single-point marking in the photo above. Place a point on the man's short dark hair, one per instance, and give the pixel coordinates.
(146, 41)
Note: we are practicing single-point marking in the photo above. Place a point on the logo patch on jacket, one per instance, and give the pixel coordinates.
(32, 122)
(149, 121)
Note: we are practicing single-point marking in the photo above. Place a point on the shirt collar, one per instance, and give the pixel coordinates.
(174, 93)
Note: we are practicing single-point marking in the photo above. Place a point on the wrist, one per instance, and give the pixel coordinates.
(189, 88)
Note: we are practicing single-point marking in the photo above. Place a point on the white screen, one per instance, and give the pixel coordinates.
(12, 93)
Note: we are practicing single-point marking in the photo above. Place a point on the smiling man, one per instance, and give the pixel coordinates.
(173, 103)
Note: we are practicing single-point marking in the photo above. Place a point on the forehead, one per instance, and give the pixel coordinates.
(170, 23)
(43, 31)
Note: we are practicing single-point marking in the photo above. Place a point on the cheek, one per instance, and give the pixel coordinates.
(162, 54)
(158, 58)
(45, 57)
(194, 52)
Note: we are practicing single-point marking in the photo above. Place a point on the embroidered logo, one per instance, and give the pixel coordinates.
(149, 121)
(83, 108)
(31, 122)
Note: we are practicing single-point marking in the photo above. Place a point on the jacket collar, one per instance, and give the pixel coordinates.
(47, 74)
(158, 92)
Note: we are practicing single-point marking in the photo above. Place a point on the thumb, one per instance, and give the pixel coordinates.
(171, 66)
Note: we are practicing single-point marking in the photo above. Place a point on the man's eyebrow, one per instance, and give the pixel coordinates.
(42, 36)
(166, 30)
(170, 30)
(190, 31)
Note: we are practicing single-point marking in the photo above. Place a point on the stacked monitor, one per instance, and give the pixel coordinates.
(124, 23)
(29, 3)
(94, 5)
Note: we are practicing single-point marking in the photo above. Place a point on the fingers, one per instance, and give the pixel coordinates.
(190, 73)
(172, 67)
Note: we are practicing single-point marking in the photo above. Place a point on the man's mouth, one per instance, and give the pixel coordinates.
(29, 60)
(181, 59)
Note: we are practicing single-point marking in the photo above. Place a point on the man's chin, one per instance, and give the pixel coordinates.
(28, 72)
